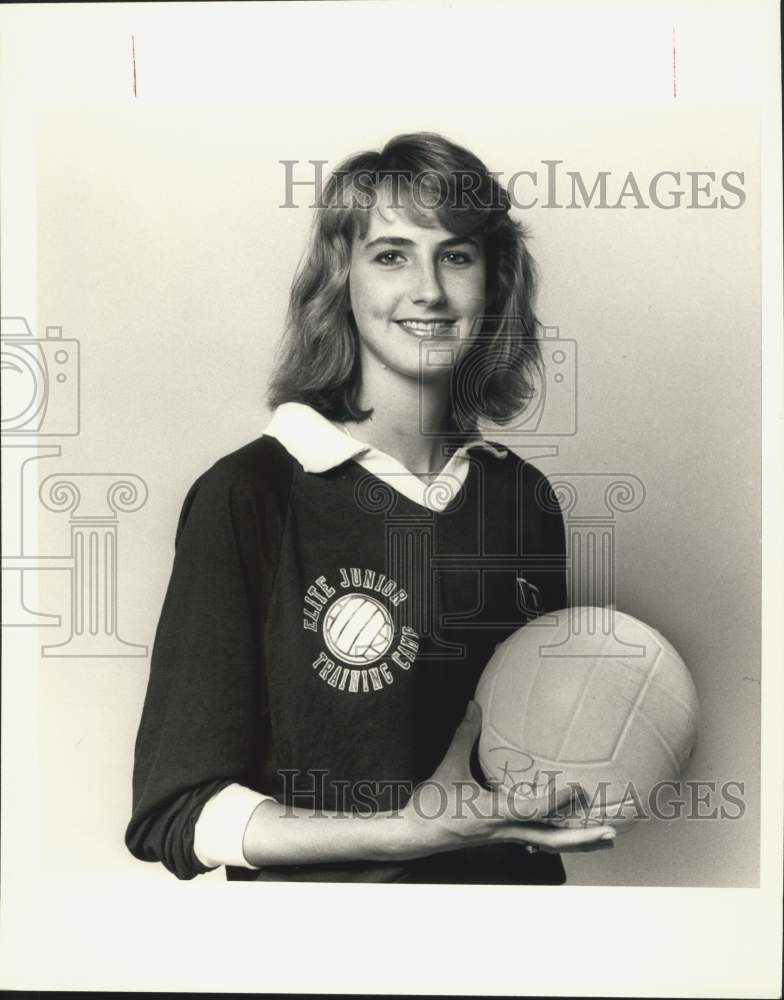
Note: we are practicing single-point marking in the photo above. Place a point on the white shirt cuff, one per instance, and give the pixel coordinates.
(220, 828)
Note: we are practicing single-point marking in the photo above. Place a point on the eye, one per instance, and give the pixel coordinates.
(389, 257)
(457, 257)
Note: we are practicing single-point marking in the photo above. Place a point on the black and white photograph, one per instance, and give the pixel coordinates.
(392, 458)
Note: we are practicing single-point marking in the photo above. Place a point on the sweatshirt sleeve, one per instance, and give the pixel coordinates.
(204, 709)
(220, 829)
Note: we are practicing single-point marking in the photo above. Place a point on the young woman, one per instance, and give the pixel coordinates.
(340, 582)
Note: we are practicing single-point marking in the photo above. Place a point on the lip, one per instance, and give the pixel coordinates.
(442, 327)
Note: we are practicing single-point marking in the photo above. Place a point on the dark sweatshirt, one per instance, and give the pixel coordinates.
(319, 639)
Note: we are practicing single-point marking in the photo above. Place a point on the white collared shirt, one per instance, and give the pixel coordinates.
(319, 445)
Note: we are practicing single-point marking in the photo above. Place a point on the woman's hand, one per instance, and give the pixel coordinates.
(451, 810)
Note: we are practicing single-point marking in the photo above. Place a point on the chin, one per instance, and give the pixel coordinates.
(424, 374)
(412, 363)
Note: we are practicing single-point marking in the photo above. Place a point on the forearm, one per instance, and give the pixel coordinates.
(284, 835)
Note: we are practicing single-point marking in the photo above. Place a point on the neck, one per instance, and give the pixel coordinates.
(410, 421)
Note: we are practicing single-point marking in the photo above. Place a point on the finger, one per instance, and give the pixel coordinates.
(457, 757)
(566, 839)
(582, 849)
(571, 822)
(519, 803)
(601, 845)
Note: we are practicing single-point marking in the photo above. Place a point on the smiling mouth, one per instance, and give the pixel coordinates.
(429, 327)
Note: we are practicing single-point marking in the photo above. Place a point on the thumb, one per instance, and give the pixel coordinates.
(457, 758)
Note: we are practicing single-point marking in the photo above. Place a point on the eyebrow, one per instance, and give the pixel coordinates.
(401, 241)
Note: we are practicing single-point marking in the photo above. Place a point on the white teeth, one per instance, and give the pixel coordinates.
(429, 327)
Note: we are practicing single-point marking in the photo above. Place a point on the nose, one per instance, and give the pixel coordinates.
(426, 287)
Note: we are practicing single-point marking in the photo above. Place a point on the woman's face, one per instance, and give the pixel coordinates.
(412, 287)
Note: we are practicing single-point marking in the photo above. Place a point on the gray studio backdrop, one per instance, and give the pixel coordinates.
(163, 250)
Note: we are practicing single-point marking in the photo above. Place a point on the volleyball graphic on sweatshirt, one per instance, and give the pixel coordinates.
(358, 629)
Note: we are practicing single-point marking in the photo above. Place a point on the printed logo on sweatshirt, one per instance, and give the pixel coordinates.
(363, 650)
(531, 597)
